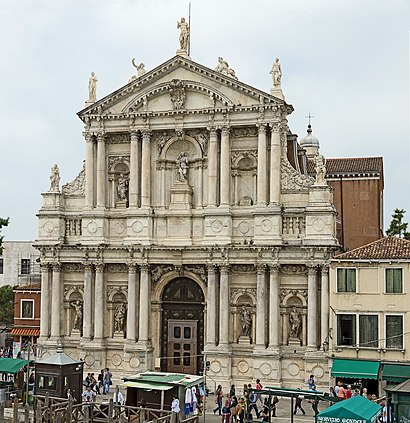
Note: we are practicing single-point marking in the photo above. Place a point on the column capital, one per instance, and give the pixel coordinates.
(275, 126)
(261, 128)
(87, 266)
(133, 135)
(145, 267)
(101, 136)
(212, 130)
(99, 267)
(56, 267)
(224, 269)
(311, 268)
(260, 268)
(146, 134)
(274, 268)
(44, 267)
(226, 130)
(325, 269)
(212, 268)
(132, 267)
(89, 137)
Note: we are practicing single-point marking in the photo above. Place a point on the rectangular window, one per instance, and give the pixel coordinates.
(394, 281)
(25, 267)
(346, 329)
(394, 331)
(346, 280)
(368, 331)
(1, 265)
(27, 309)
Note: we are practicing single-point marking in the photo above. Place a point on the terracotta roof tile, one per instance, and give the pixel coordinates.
(389, 247)
(351, 166)
(29, 287)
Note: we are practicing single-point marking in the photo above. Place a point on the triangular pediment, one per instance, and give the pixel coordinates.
(195, 87)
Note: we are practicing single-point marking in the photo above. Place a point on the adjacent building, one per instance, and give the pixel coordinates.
(369, 319)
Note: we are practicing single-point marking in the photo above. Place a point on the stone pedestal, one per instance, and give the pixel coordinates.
(75, 333)
(88, 103)
(118, 335)
(181, 196)
(294, 342)
(121, 204)
(244, 340)
(277, 92)
(183, 53)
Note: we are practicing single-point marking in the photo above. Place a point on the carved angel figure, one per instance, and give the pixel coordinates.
(55, 179)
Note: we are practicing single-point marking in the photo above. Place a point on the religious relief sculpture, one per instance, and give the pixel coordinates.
(177, 92)
(92, 88)
(295, 320)
(246, 322)
(119, 318)
(122, 188)
(276, 73)
(320, 167)
(224, 68)
(182, 163)
(78, 319)
(55, 179)
(184, 35)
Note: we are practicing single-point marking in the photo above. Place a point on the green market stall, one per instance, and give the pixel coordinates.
(398, 399)
(12, 365)
(354, 410)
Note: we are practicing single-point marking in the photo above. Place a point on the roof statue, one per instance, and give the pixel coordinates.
(183, 37)
(276, 73)
(223, 68)
(55, 179)
(140, 70)
(92, 88)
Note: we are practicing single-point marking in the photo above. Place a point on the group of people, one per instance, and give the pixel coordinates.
(346, 391)
(234, 408)
(95, 386)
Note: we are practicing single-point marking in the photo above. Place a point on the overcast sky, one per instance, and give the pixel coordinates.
(346, 62)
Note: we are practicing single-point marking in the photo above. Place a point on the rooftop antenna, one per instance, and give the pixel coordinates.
(309, 116)
(189, 33)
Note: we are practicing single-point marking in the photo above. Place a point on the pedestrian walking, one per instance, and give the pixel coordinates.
(226, 412)
(298, 405)
(253, 398)
(107, 380)
(175, 409)
(218, 399)
(311, 382)
(101, 381)
(259, 387)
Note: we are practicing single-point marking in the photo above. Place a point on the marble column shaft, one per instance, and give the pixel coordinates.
(260, 305)
(89, 170)
(132, 303)
(45, 301)
(262, 166)
(101, 171)
(99, 311)
(324, 323)
(275, 157)
(312, 308)
(146, 169)
(211, 306)
(274, 307)
(87, 303)
(224, 306)
(225, 167)
(145, 304)
(212, 167)
(134, 170)
(56, 301)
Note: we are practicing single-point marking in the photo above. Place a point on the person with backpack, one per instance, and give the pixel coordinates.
(253, 398)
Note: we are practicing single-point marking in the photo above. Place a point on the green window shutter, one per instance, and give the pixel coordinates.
(351, 280)
(389, 281)
(341, 280)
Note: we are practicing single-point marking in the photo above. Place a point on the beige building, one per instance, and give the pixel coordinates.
(192, 232)
(369, 319)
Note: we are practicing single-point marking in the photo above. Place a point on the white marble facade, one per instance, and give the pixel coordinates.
(190, 177)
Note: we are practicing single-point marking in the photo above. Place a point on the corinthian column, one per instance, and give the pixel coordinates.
(260, 305)
(262, 174)
(275, 156)
(212, 167)
(211, 306)
(45, 301)
(324, 323)
(224, 306)
(274, 306)
(145, 304)
(146, 169)
(56, 301)
(89, 170)
(225, 167)
(312, 308)
(134, 170)
(87, 304)
(132, 302)
(99, 311)
(101, 172)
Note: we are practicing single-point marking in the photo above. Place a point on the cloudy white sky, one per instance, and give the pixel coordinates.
(346, 62)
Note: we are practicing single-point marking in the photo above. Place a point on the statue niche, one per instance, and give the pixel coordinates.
(294, 315)
(244, 171)
(119, 182)
(76, 314)
(119, 315)
(244, 311)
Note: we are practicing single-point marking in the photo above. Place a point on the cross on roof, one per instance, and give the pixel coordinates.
(309, 116)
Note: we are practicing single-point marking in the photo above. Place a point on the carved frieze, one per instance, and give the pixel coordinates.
(73, 267)
(199, 270)
(78, 289)
(293, 292)
(161, 138)
(291, 179)
(118, 138)
(114, 160)
(117, 268)
(246, 132)
(243, 268)
(177, 92)
(157, 271)
(117, 289)
(77, 186)
(293, 269)
(237, 292)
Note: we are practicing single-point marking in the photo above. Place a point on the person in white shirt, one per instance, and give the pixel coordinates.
(175, 409)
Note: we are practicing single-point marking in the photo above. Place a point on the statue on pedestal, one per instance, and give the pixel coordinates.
(223, 68)
(246, 322)
(119, 318)
(92, 88)
(295, 320)
(184, 35)
(78, 320)
(320, 167)
(276, 72)
(182, 163)
(55, 179)
(122, 188)
(140, 70)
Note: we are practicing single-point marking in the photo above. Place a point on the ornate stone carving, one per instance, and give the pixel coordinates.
(201, 137)
(78, 320)
(295, 320)
(244, 132)
(223, 68)
(243, 268)
(77, 186)
(118, 138)
(237, 292)
(182, 164)
(292, 269)
(140, 70)
(122, 188)
(294, 292)
(199, 270)
(320, 168)
(114, 160)
(117, 268)
(55, 179)
(237, 154)
(177, 92)
(73, 227)
(157, 271)
(119, 318)
(73, 267)
(72, 288)
(246, 322)
(112, 290)
(291, 179)
(162, 138)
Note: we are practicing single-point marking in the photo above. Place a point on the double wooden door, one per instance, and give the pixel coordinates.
(182, 346)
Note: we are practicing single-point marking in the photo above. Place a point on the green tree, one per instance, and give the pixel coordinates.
(3, 222)
(397, 226)
(6, 305)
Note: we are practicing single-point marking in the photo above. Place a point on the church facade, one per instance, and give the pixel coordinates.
(192, 235)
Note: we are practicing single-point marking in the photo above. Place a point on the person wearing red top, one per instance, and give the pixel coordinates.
(348, 393)
(341, 393)
(259, 387)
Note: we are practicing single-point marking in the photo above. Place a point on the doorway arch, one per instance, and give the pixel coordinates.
(182, 326)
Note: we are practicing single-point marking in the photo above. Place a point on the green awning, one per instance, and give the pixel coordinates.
(11, 365)
(147, 386)
(355, 369)
(357, 410)
(395, 372)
